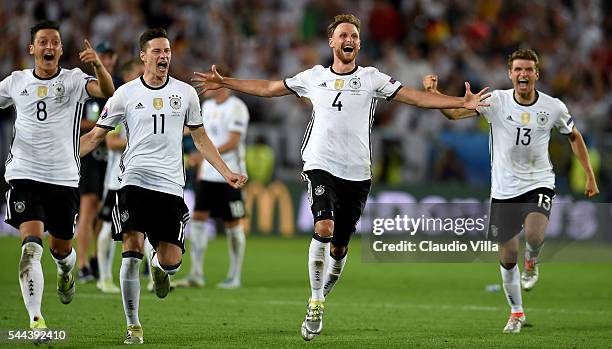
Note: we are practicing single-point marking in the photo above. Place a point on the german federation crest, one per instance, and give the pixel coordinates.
(58, 88)
(20, 206)
(175, 102)
(124, 216)
(158, 103)
(354, 83)
(542, 118)
(319, 190)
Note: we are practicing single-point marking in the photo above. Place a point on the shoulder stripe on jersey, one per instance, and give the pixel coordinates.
(289, 88)
(394, 93)
(127, 135)
(75, 134)
(307, 133)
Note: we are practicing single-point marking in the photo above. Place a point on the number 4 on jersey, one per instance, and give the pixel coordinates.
(336, 103)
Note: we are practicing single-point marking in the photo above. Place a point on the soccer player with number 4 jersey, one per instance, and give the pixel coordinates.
(522, 179)
(336, 146)
(43, 164)
(153, 110)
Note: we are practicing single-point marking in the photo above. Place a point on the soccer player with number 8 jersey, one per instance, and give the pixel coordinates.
(43, 164)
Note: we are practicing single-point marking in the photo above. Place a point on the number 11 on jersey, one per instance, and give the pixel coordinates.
(155, 123)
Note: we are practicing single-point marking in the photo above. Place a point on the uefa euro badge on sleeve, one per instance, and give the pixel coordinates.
(42, 91)
(158, 103)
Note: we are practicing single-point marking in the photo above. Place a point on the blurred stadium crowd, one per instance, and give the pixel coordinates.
(459, 40)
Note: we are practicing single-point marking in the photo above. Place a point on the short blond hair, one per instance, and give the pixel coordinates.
(343, 18)
(527, 54)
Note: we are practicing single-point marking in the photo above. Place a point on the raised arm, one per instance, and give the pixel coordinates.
(211, 154)
(103, 87)
(213, 80)
(581, 152)
(91, 139)
(430, 84)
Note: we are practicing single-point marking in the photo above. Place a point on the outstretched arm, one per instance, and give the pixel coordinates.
(91, 139)
(581, 152)
(430, 84)
(440, 101)
(103, 87)
(212, 80)
(211, 154)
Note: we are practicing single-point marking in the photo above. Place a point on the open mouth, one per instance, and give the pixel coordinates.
(348, 49)
(523, 83)
(48, 57)
(162, 65)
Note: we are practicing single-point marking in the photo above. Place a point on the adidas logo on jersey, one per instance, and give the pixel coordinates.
(24, 93)
(509, 118)
(323, 85)
(139, 106)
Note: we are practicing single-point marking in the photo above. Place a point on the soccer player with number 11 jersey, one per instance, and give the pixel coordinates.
(154, 110)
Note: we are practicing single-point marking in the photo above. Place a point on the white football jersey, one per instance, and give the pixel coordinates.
(230, 116)
(153, 118)
(111, 178)
(337, 138)
(45, 144)
(518, 141)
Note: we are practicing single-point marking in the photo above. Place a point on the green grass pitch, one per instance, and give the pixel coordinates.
(373, 306)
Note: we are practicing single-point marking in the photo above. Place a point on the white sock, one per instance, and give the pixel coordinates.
(317, 254)
(512, 288)
(198, 242)
(531, 251)
(168, 269)
(334, 269)
(31, 277)
(236, 243)
(130, 285)
(106, 252)
(148, 250)
(66, 264)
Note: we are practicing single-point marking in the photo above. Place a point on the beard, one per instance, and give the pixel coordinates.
(344, 58)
